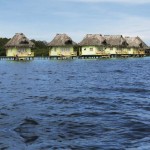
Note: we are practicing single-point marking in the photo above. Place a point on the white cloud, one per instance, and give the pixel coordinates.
(126, 26)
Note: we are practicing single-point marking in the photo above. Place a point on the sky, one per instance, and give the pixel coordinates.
(43, 19)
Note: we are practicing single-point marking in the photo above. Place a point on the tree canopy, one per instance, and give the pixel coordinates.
(41, 48)
(3, 41)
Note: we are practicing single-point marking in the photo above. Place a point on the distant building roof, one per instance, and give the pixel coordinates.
(115, 40)
(93, 40)
(19, 40)
(135, 42)
(62, 40)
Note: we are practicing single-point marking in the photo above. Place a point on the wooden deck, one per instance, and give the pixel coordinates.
(63, 57)
(16, 58)
(74, 57)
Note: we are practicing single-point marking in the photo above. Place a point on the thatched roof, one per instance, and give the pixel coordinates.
(135, 42)
(62, 40)
(19, 40)
(115, 40)
(93, 40)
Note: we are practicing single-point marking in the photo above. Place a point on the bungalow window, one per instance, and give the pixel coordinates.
(21, 50)
(101, 48)
(91, 49)
(55, 49)
(111, 48)
(84, 49)
(67, 49)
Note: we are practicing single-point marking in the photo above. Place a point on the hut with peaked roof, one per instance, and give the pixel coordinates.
(93, 45)
(116, 45)
(19, 46)
(62, 46)
(136, 47)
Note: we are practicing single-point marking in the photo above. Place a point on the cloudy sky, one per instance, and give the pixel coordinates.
(42, 19)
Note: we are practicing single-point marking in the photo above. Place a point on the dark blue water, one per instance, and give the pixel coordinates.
(75, 104)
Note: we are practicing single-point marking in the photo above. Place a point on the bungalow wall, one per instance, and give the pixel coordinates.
(129, 51)
(92, 50)
(137, 51)
(118, 51)
(111, 50)
(89, 50)
(122, 51)
(62, 51)
(134, 50)
(142, 51)
(22, 52)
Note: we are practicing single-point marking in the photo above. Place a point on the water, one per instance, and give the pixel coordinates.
(75, 104)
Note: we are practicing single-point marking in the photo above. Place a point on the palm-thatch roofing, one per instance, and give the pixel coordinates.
(115, 40)
(62, 40)
(19, 40)
(135, 42)
(93, 40)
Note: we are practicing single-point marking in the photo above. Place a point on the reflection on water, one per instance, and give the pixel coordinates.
(78, 104)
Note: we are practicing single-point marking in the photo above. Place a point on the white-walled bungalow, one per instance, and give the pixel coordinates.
(19, 47)
(136, 47)
(93, 45)
(117, 45)
(62, 46)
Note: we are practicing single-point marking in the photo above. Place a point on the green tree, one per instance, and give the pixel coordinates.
(3, 41)
(41, 48)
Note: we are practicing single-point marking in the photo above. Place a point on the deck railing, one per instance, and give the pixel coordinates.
(102, 53)
(26, 54)
(64, 54)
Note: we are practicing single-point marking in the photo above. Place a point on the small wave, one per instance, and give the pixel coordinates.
(132, 90)
(118, 71)
(27, 130)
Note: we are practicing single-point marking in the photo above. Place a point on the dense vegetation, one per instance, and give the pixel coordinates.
(40, 48)
(3, 41)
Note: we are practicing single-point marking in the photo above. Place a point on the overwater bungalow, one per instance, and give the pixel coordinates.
(136, 47)
(62, 46)
(19, 47)
(93, 45)
(117, 45)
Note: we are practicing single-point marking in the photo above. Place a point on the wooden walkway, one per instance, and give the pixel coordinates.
(73, 57)
(15, 58)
